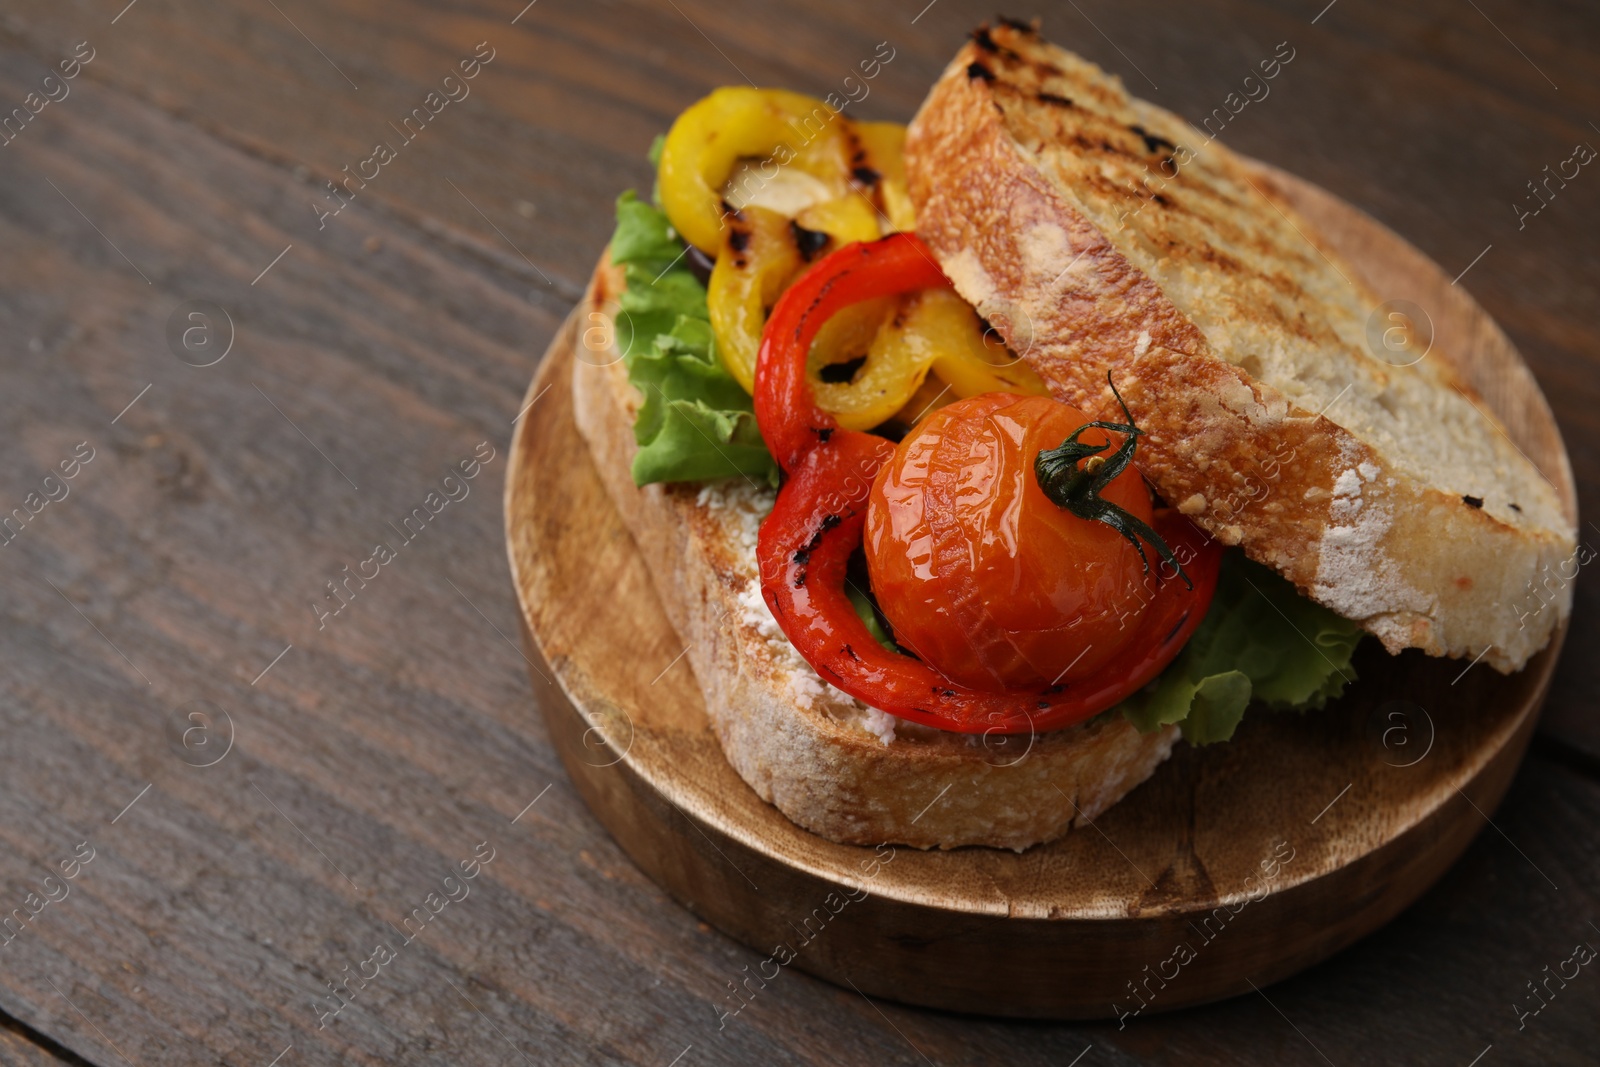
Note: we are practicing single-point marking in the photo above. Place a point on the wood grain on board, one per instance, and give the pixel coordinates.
(378, 353)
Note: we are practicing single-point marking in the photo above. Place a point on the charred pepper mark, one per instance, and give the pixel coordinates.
(865, 175)
(825, 432)
(809, 242)
(828, 523)
(843, 371)
(850, 652)
(739, 236)
(802, 554)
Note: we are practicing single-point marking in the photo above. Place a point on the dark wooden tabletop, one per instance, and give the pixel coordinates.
(249, 796)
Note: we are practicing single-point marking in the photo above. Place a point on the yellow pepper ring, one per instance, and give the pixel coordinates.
(897, 360)
(706, 142)
(967, 361)
(932, 329)
(758, 260)
(884, 144)
(845, 219)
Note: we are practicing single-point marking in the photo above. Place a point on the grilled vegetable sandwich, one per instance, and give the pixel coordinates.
(978, 462)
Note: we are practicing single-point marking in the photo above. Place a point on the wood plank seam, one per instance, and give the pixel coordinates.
(44, 1042)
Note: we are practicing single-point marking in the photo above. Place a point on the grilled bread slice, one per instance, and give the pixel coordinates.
(1098, 232)
(834, 766)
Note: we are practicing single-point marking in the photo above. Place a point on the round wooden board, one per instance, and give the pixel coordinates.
(1236, 864)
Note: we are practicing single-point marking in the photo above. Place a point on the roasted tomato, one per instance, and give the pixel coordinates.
(980, 573)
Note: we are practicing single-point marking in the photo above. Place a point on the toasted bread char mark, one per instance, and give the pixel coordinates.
(1098, 232)
(834, 766)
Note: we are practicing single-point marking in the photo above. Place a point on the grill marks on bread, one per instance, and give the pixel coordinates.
(1145, 169)
(1046, 193)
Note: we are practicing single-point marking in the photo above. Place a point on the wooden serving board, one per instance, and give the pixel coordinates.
(1234, 866)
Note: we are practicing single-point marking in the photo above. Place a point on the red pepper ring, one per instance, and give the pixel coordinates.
(791, 423)
(816, 524)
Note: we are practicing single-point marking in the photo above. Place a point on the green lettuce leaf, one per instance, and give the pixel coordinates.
(696, 422)
(1261, 640)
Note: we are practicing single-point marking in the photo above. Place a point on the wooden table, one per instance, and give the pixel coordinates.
(176, 598)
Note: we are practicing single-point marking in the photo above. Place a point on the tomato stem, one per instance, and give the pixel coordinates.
(1077, 489)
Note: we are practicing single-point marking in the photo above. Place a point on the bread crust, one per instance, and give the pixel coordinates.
(1013, 144)
(802, 746)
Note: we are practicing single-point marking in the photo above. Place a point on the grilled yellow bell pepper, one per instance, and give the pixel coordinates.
(783, 151)
(758, 259)
(971, 360)
(934, 329)
(885, 146)
(756, 177)
(898, 351)
(778, 128)
(845, 219)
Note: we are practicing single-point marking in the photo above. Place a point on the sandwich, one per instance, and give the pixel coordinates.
(979, 462)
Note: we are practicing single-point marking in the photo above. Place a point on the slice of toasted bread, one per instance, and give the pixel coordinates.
(1098, 232)
(831, 764)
